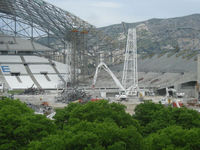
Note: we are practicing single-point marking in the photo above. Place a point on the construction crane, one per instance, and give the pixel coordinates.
(130, 72)
(125, 29)
(122, 91)
(129, 86)
(105, 67)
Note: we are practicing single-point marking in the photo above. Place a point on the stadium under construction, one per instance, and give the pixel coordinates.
(50, 49)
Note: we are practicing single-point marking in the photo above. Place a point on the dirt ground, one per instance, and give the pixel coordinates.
(50, 98)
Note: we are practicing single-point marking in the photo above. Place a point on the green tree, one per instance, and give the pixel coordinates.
(144, 112)
(99, 126)
(92, 135)
(19, 125)
(153, 117)
(173, 138)
(94, 125)
(95, 111)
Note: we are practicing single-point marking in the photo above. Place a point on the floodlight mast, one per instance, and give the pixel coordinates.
(130, 72)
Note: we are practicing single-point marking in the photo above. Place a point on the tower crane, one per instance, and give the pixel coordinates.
(129, 84)
(130, 72)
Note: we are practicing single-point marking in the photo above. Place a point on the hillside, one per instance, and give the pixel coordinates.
(162, 35)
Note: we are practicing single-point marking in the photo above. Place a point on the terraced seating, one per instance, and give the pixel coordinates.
(21, 72)
(23, 82)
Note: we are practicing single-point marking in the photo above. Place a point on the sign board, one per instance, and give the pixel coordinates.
(5, 69)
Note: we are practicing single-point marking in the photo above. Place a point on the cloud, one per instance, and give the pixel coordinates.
(97, 12)
(107, 12)
(106, 4)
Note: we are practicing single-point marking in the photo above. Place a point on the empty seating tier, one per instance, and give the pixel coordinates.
(62, 68)
(35, 59)
(22, 83)
(41, 69)
(21, 72)
(13, 68)
(10, 59)
(45, 83)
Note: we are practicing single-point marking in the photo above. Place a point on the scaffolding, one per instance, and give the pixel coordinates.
(56, 29)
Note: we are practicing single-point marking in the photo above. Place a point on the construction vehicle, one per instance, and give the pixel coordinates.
(122, 96)
(122, 91)
(129, 86)
(45, 104)
(172, 98)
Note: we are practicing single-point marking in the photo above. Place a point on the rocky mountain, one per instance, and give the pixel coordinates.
(175, 35)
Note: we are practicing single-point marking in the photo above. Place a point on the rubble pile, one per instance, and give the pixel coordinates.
(41, 109)
(70, 95)
(33, 91)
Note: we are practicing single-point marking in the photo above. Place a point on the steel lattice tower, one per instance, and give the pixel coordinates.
(130, 73)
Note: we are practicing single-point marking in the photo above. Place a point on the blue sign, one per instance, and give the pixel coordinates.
(5, 69)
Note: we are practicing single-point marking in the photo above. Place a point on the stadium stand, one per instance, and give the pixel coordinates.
(40, 68)
(148, 77)
(3, 46)
(14, 68)
(22, 47)
(3, 80)
(35, 59)
(10, 59)
(21, 72)
(45, 84)
(25, 82)
(166, 64)
(7, 39)
(60, 67)
(54, 78)
(11, 43)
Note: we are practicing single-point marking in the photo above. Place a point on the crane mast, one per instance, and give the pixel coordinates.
(130, 72)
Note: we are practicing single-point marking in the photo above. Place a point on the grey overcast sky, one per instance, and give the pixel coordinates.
(106, 12)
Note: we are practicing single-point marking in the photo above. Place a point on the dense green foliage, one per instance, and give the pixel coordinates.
(95, 125)
(167, 128)
(174, 138)
(19, 125)
(95, 112)
(153, 117)
(99, 126)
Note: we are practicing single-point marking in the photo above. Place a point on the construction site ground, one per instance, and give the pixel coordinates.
(50, 98)
(39, 99)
